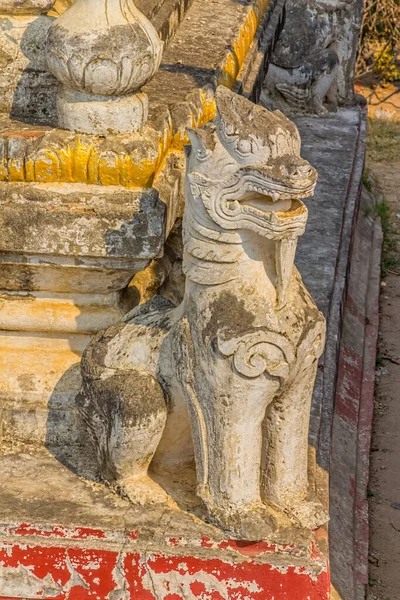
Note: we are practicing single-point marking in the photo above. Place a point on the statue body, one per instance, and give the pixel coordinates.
(312, 64)
(229, 373)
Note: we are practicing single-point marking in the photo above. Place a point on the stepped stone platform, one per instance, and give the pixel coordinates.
(65, 536)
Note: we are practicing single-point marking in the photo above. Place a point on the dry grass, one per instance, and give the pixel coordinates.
(383, 141)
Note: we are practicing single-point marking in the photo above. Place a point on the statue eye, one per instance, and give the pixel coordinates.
(245, 146)
(203, 153)
(229, 129)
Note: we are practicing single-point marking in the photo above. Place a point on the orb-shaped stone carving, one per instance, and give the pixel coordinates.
(25, 7)
(103, 47)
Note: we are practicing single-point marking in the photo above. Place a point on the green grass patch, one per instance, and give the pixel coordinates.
(379, 361)
(383, 145)
(366, 178)
(391, 254)
(383, 140)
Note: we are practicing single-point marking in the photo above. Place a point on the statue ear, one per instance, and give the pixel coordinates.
(198, 140)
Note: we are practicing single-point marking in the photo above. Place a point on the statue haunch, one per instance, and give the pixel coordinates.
(230, 372)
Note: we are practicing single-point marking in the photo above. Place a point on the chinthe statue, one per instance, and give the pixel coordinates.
(312, 68)
(229, 373)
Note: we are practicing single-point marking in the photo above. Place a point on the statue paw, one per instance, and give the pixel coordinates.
(320, 109)
(252, 524)
(141, 491)
(309, 514)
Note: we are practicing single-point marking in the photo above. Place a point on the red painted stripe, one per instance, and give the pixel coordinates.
(93, 574)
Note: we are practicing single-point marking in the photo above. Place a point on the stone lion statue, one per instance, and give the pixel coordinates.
(227, 376)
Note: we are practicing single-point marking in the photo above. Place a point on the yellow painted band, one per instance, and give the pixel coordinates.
(81, 162)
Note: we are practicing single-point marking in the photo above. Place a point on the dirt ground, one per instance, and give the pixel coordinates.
(383, 101)
(384, 486)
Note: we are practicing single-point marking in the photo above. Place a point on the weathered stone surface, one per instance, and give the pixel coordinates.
(67, 253)
(338, 258)
(81, 221)
(313, 65)
(46, 155)
(101, 115)
(27, 89)
(323, 255)
(25, 7)
(73, 288)
(102, 49)
(354, 407)
(61, 532)
(233, 356)
(210, 46)
(166, 15)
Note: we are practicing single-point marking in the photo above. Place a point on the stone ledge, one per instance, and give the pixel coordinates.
(339, 258)
(46, 155)
(354, 405)
(79, 220)
(198, 56)
(335, 146)
(92, 540)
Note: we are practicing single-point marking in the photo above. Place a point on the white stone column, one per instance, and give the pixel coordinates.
(103, 52)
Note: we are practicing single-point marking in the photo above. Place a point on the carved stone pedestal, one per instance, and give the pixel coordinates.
(67, 253)
(101, 115)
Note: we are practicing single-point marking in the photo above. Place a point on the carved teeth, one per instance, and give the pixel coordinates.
(274, 194)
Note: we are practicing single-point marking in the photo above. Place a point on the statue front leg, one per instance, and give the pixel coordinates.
(285, 456)
(231, 444)
(228, 392)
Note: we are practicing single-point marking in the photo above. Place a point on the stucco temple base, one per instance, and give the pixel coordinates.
(95, 545)
(65, 536)
(78, 218)
(80, 214)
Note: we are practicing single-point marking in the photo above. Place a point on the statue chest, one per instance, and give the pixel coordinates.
(234, 310)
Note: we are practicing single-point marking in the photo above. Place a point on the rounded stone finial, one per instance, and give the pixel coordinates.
(25, 7)
(103, 52)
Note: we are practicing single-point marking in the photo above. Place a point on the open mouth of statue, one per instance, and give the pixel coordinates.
(259, 195)
(261, 198)
(258, 199)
